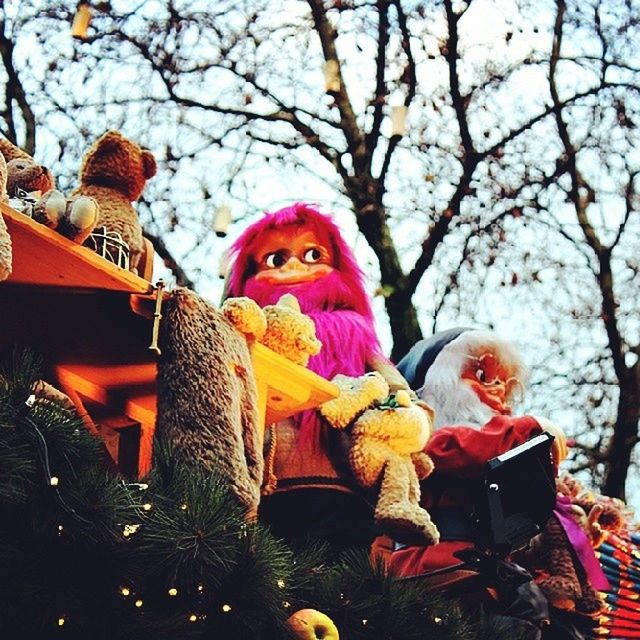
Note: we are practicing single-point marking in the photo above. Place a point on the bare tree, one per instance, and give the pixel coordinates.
(509, 202)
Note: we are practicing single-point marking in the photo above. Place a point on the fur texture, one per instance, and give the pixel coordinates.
(455, 402)
(27, 175)
(5, 238)
(207, 394)
(386, 451)
(114, 172)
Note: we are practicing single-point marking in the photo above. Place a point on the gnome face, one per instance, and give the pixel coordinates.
(474, 377)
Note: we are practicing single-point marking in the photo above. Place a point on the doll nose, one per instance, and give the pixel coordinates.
(292, 264)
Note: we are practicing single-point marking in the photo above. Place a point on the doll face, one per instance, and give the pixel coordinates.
(491, 381)
(291, 256)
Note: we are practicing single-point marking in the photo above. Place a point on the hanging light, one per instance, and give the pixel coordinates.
(398, 120)
(222, 220)
(81, 20)
(332, 76)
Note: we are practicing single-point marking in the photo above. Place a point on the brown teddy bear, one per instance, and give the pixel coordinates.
(388, 436)
(24, 173)
(75, 218)
(114, 172)
(207, 398)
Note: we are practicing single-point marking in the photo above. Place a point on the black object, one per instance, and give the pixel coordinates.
(517, 497)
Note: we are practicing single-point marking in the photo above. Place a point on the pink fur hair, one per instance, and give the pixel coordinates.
(338, 304)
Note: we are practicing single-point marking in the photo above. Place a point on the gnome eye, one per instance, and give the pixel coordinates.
(274, 260)
(312, 255)
(481, 375)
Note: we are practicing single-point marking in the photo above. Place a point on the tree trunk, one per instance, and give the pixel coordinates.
(623, 440)
(403, 319)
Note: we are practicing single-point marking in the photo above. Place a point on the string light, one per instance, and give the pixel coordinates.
(200, 588)
(281, 583)
(125, 591)
(60, 529)
(226, 608)
(173, 591)
(147, 506)
(54, 481)
(437, 620)
(130, 529)
(286, 604)
(61, 621)
(139, 603)
(364, 621)
(184, 506)
(193, 617)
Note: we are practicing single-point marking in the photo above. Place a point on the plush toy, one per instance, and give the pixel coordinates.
(5, 238)
(207, 394)
(75, 217)
(114, 172)
(387, 438)
(300, 251)
(282, 327)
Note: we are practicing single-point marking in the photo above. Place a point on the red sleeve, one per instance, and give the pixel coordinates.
(463, 451)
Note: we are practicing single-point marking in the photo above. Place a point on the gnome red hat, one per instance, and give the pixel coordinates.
(470, 375)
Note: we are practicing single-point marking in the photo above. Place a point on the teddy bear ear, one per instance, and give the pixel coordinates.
(149, 164)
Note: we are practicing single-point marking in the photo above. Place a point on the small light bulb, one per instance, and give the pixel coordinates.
(364, 621)
(138, 603)
(200, 588)
(437, 620)
(173, 591)
(61, 621)
(125, 591)
(226, 608)
(184, 506)
(286, 604)
(60, 529)
(54, 481)
(281, 583)
(147, 506)
(193, 617)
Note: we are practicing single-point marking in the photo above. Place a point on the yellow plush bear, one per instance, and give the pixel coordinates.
(114, 172)
(388, 436)
(281, 327)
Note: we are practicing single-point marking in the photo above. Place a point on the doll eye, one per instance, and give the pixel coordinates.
(481, 375)
(312, 255)
(274, 260)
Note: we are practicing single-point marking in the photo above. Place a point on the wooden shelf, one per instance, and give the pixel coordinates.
(43, 257)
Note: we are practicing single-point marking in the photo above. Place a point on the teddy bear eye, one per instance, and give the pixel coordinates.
(481, 375)
(312, 255)
(274, 260)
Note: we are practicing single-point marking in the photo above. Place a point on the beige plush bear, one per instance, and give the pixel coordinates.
(387, 440)
(281, 327)
(24, 173)
(114, 172)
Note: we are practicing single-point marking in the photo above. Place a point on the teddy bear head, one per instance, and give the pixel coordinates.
(118, 163)
(29, 176)
(290, 332)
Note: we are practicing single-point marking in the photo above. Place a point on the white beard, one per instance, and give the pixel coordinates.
(459, 406)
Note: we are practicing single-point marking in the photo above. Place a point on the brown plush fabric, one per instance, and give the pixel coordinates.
(5, 239)
(28, 175)
(114, 172)
(207, 394)
(560, 574)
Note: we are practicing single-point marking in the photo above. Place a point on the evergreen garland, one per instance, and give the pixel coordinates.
(84, 553)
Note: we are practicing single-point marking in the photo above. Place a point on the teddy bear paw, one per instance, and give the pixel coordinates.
(356, 396)
(246, 316)
(50, 209)
(408, 524)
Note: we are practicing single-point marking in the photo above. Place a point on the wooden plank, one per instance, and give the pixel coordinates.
(43, 257)
(290, 387)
